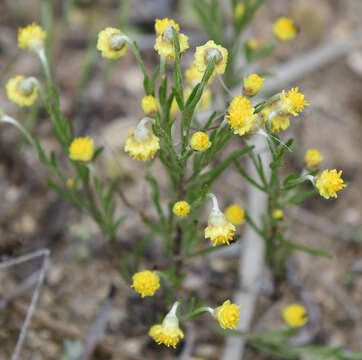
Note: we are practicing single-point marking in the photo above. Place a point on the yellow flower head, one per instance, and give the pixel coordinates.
(278, 122)
(329, 182)
(112, 43)
(292, 102)
(193, 75)
(227, 315)
(278, 214)
(252, 85)
(200, 141)
(145, 283)
(168, 332)
(22, 91)
(150, 105)
(241, 116)
(295, 315)
(31, 37)
(162, 24)
(181, 209)
(239, 10)
(141, 143)
(164, 40)
(312, 158)
(206, 53)
(219, 229)
(81, 149)
(254, 44)
(284, 29)
(70, 183)
(235, 214)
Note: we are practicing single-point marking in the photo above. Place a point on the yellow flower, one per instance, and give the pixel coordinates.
(206, 53)
(70, 183)
(145, 283)
(181, 209)
(312, 158)
(235, 214)
(150, 105)
(241, 116)
(164, 40)
(227, 315)
(31, 37)
(284, 29)
(239, 10)
(193, 75)
(292, 102)
(162, 24)
(112, 43)
(219, 229)
(252, 84)
(200, 141)
(141, 143)
(329, 182)
(278, 214)
(81, 149)
(254, 44)
(168, 332)
(22, 91)
(295, 315)
(278, 122)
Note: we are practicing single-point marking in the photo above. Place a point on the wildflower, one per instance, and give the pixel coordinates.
(206, 53)
(295, 315)
(292, 102)
(219, 229)
(227, 315)
(252, 84)
(112, 43)
(31, 37)
(81, 149)
(277, 122)
(162, 24)
(284, 29)
(193, 75)
(200, 141)
(254, 44)
(235, 214)
(168, 332)
(164, 40)
(141, 143)
(312, 158)
(22, 91)
(329, 182)
(241, 116)
(150, 105)
(239, 10)
(181, 209)
(278, 214)
(70, 183)
(145, 283)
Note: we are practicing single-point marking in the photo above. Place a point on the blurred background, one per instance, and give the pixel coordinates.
(104, 99)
